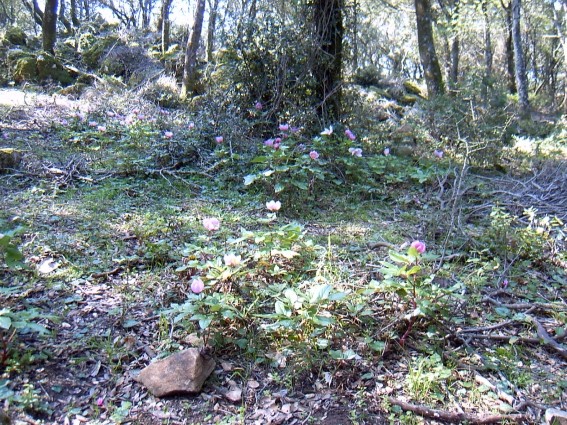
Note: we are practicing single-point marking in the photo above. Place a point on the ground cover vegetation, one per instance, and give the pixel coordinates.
(355, 233)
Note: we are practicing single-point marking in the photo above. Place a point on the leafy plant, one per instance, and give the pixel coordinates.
(9, 251)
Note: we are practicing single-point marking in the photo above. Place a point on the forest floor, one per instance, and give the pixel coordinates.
(102, 249)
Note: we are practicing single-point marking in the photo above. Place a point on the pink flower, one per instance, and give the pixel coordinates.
(327, 131)
(211, 224)
(313, 154)
(219, 139)
(284, 127)
(191, 125)
(110, 114)
(80, 115)
(505, 283)
(258, 105)
(168, 134)
(269, 143)
(100, 401)
(232, 260)
(387, 152)
(93, 123)
(419, 246)
(355, 151)
(197, 286)
(101, 128)
(438, 154)
(350, 134)
(273, 205)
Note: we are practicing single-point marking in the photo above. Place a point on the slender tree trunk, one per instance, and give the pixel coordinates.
(164, 25)
(487, 55)
(428, 56)
(211, 29)
(73, 12)
(87, 9)
(49, 26)
(35, 11)
(510, 67)
(328, 61)
(521, 79)
(455, 55)
(63, 19)
(190, 69)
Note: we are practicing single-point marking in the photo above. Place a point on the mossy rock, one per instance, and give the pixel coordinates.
(413, 88)
(49, 67)
(93, 54)
(74, 89)
(407, 99)
(9, 159)
(16, 36)
(25, 69)
(86, 41)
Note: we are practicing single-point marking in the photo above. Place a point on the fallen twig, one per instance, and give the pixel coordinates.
(546, 339)
(524, 306)
(455, 417)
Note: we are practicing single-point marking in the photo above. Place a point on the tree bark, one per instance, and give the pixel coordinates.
(519, 62)
(73, 12)
(510, 67)
(487, 54)
(427, 54)
(63, 19)
(35, 11)
(211, 29)
(164, 25)
(49, 26)
(190, 69)
(328, 60)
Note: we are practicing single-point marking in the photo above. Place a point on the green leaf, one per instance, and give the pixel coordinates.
(399, 258)
(323, 320)
(300, 185)
(279, 187)
(249, 179)
(281, 309)
(5, 322)
(130, 323)
(319, 293)
(204, 323)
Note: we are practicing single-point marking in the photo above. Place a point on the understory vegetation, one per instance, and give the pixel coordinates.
(330, 272)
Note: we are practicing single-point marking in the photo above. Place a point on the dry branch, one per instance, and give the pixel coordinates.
(455, 417)
(546, 339)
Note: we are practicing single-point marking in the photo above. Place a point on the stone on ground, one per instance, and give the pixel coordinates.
(181, 373)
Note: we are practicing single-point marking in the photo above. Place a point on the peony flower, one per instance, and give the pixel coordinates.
(438, 154)
(273, 205)
(232, 260)
(327, 131)
(168, 134)
(219, 139)
(93, 123)
(269, 143)
(313, 154)
(258, 105)
(355, 151)
(101, 128)
(211, 224)
(284, 127)
(387, 152)
(110, 114)
(191, 125)
(350, 134)
(419, 246)
(197, 286)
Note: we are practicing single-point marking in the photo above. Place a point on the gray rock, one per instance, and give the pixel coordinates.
(181, 373)
(555, 417)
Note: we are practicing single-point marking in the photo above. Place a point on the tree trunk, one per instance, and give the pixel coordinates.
(49, 26)
(427, 54)
(328, 60)
(164, 24)
(521, 79)
(63, 19)
(487, 55)
(211, 29)
(73, 12)
(35, 11)
(190, 70)
(510, 67)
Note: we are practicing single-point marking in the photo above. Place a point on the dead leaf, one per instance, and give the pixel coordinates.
(47, 266)
(253, 384)
(234, 395)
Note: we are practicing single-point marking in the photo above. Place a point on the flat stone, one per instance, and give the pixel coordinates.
(555, 417)
(181, 373)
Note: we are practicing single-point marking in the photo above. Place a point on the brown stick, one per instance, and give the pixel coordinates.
(455, 417)
(547, 340)
(524, 306)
